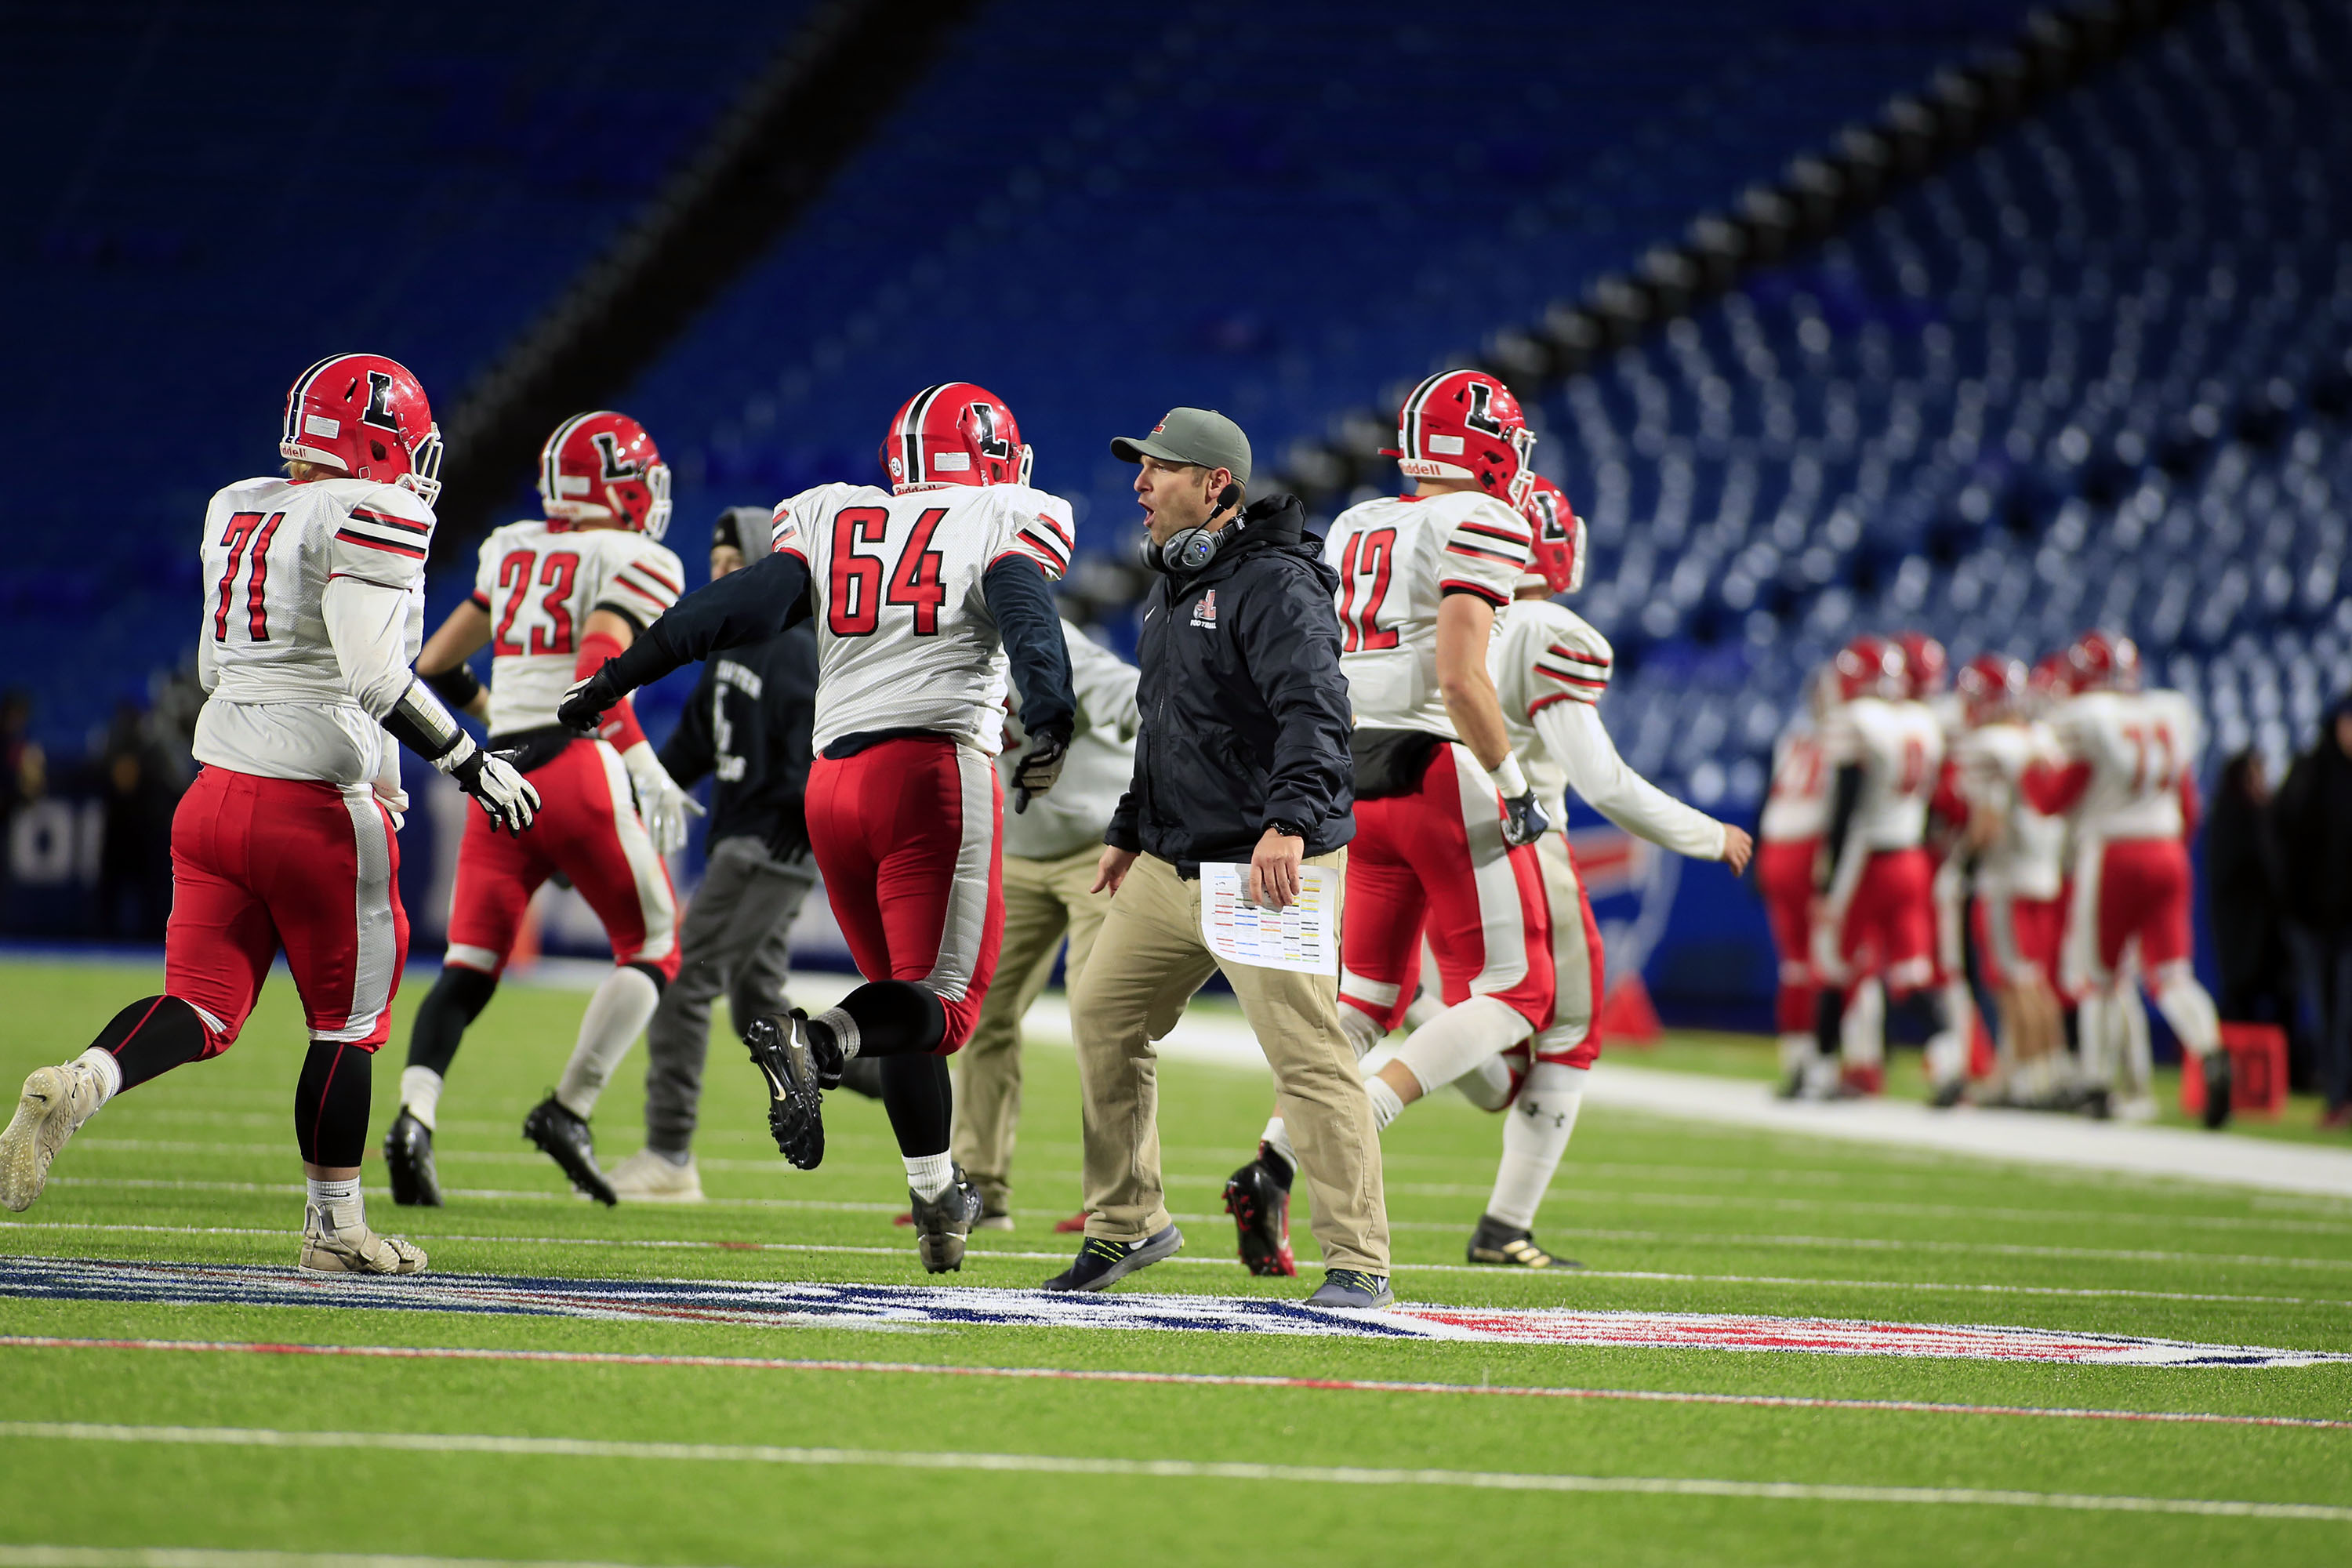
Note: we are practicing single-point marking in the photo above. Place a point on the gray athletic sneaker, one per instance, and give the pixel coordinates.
(1353, 1290)
(55, 1103)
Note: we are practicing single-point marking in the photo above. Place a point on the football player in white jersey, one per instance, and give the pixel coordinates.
(1436, 852)
(927, 595)
(1796, 817)
(2020, 870)
(1550, 669)
(313, 601)
(2128, 785)
(1878, 922)
(553, 599)
(1926, 671)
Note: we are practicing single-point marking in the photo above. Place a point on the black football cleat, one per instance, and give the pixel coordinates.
(780, 1049)
(1102, 1262)
(1261, 1209)
(565, 1139)
(942, 1223)
(1511, 1246)
(408, 1159)
(2217, 1090)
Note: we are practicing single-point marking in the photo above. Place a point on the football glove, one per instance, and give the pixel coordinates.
(1524, 819)
(660, 802)
(587, 699)
(508, 797)
(1038, 768)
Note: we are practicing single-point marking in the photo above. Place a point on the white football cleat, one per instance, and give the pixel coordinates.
(331, 1248)
(56, 1101)
(645, 1177)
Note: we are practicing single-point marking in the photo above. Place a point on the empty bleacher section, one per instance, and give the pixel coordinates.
(210, 197)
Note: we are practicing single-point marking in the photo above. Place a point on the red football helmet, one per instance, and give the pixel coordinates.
(364, 414)
(2099, 662)
(954, 434)
(2046, 682)
(1924, 662)
(1871, 667)
(1559, 549)
(604, 467)
(1465, 424)
(1992, 686)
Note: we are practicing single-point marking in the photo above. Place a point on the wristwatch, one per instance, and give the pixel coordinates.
(1287, 829)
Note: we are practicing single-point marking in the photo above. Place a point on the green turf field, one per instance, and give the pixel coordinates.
(684, 1464)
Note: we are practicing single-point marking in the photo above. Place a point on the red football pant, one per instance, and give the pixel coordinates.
(1572, 1037)
(259, 865)
(587, 828)
(2017, 938)
(1889, 929)
(2131, 889)
(1436, 857)
(906, 839)
(1784, 875)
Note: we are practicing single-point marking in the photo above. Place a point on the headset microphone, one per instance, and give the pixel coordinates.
(1191, 549)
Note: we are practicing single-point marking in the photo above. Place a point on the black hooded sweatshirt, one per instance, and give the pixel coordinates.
(1246, 715)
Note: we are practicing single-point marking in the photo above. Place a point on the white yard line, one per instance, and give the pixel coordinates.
(1151, 1469)
(201, 1557)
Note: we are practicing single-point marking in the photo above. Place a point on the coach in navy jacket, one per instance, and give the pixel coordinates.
(1244, 710)
(1243, 759)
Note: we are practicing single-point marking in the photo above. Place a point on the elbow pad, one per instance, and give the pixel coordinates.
(418, 722)
(456, 687)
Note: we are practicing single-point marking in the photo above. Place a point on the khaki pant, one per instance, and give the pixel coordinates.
(1042, 899)
(1147, 963)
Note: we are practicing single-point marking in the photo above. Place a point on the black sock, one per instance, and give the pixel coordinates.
(1921, 1011)
(895, 1017)
(916, 1092)
(1828, 1018)
(2071, 1020)
(152, 1036)
(455, 1000)
(330, 1103)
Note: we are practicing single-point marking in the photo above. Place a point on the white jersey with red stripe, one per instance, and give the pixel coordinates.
(2028, 861)
(1797, 806)
(904, 640)
(1899, 746)
(2138, 747)
(1397, 557)
(280, 705)
(540, 580)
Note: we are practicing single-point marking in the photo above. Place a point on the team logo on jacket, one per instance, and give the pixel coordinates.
(1204, 613)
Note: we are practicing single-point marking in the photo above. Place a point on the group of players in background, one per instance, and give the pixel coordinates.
(1474, 693)
(2027, 827)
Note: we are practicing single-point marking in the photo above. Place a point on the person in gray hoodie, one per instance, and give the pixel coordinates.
(1050, 852)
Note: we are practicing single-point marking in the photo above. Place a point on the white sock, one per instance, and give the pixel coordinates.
(843, 1027)
(2094, 1058)
(420, 1094)
(1862, 1033)
(929, 1175)
(1947, 1059)
(1387, 1106)
(617, 1015)
(1460, 1039)
(1796, 1050)
(108, 1071)
(1487, 1086)
(338, 1204)
(1534, 1139)
(2038, 1080)
(2138, 1070)
(1276, 1137)
(2189, 1008)
(1363, 1030)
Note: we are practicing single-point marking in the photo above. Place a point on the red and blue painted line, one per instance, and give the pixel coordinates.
(780, 1304)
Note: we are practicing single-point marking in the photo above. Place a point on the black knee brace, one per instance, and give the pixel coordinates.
(455, 1000)
(330, 1103)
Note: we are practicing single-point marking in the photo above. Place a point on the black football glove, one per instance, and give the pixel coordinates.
(1038, 768)
(1524, 819)
(586, 702)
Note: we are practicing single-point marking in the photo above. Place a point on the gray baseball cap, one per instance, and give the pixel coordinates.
(1200, 436)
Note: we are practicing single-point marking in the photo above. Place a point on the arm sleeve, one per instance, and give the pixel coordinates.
(1484, 551)
(1573, 732)
(1105, 686)
(367, 624)
(1292, 651)
(1023, 608)
(747, 606)
(691, 750)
